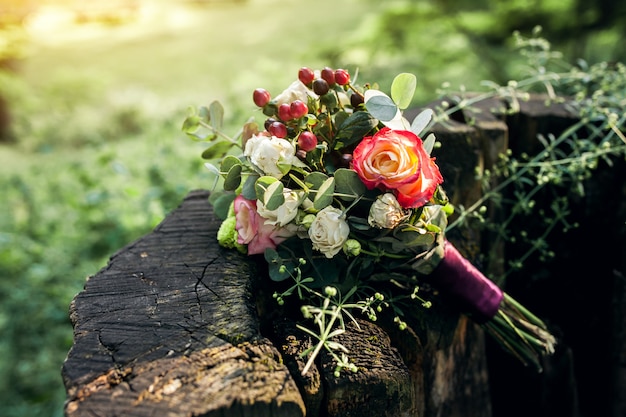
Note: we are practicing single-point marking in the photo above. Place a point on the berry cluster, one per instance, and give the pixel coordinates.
(308, 116)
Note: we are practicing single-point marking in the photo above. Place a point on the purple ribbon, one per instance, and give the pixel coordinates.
(457, 277)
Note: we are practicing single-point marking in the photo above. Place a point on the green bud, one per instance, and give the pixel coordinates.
(330, 291)
(352, 247)
(308, 220)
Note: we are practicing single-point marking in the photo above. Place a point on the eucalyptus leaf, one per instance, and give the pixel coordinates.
(274, 197)
(191, 123)
(274, 261)
(355, 127)
(421, 121)
(348, 184)
(212, 168)
(261, 187)
(204, 114)
(216, 150)
(216, 113)
(228, 162)
(381, 106)
(324, 196)
(221, 205)
(315, 180)
(403, 89)
(232, 180)
(429, 143)
(248, 190)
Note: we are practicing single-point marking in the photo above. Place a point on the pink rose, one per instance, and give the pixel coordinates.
(396, 161)
(252, 230)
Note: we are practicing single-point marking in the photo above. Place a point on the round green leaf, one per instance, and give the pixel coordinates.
(403, 88)
(232, 180)
(228, 162)
(348, 184)
(381, 106)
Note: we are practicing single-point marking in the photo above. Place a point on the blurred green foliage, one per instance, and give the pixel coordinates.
(93, 157)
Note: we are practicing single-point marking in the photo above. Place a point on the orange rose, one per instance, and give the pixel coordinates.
(395, 160)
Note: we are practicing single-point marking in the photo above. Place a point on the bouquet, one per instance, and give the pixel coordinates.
(338, 192)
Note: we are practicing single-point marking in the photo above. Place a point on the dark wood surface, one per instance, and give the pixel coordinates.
(170, 327)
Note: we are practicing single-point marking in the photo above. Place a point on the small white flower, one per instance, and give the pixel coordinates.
(274, 156)
(283, 214)
(296, 91)
(386, 212)
(329, 231)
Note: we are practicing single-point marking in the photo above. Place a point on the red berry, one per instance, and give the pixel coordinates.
(261, 97)
(298, 108)
(268, 122)
(320, 87)
(277, 129)
(342, 77)
(306, 75)
(329, 75)
(307, 141)
(284, 112)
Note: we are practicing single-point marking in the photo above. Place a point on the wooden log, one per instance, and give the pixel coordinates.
(171, 327)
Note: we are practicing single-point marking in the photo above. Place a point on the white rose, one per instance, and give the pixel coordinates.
(267, 153)
(283, 214)
(386, 212)
(329, 231)
(296, 91)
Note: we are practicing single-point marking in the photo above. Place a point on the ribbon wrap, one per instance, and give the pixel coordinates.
(458, 278)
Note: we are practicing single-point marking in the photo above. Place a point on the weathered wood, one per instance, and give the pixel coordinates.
(169, 328)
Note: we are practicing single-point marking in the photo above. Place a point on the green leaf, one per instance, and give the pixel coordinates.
(221, 204)
(429, 143)
(204, 114)
(216, 150)
(324, 196)
(315, 180)
(421, 121)
(191, 124)
(216, 114)
(232, 180)
(403, 89)
(228, 162)
(212, 168)
(274, 261)
(355, 127)
(273, 199)
(248, 190)
(347, 182)
(380, 105)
